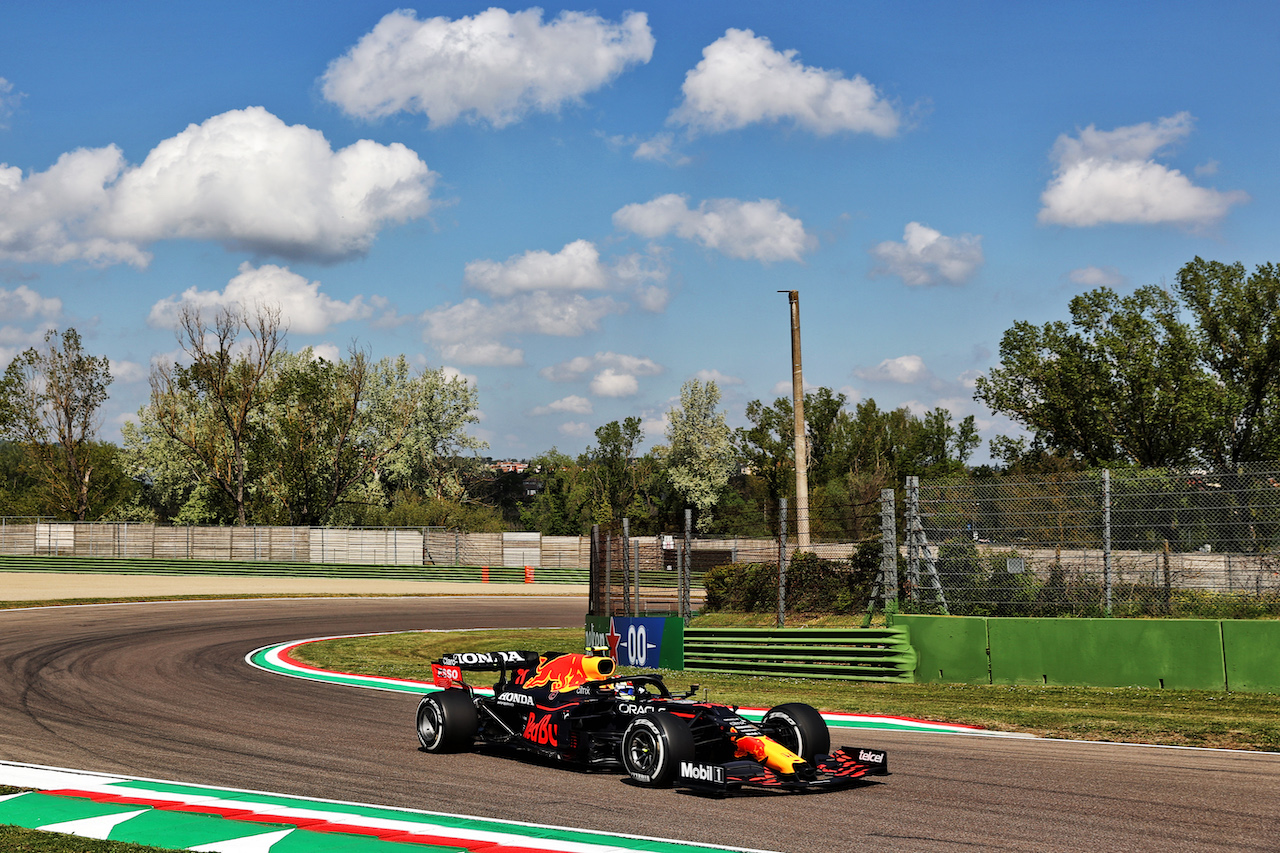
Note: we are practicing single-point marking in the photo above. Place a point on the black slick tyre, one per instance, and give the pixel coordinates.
(653, 747)
(800, 728)
(447, 721)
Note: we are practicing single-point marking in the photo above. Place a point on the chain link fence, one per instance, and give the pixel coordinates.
(640, 575)
(1151, 542)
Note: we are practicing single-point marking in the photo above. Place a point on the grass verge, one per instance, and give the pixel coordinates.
(1129, 715)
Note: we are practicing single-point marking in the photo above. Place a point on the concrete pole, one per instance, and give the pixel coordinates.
(802, 453)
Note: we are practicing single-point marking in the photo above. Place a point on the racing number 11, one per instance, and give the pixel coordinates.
(539, 730)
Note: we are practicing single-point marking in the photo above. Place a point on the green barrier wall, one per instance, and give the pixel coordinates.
(1183, 654)
(1252, 652)
(1194, 654)
(951, 649)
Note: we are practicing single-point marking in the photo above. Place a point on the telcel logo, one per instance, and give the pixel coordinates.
(870, 757)
(510, 698)
(702, 772)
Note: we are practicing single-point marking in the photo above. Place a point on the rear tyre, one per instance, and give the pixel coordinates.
(447, 721)
(653, 747)
(800, 728)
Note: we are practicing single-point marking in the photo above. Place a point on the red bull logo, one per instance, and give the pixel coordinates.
(569, 672)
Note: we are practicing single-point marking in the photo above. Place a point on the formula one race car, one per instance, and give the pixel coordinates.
(572, 708)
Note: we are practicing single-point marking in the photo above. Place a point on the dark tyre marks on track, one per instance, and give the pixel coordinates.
(161, 690)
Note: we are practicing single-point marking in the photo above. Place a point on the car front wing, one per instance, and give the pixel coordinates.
(843, 768)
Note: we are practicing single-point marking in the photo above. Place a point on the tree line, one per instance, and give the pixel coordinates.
(243, 431)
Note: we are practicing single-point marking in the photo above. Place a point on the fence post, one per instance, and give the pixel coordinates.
(888, 552)
(608, 576)
(626, 567)
(593, 599)
(635, 563)
(686, 581)
(782, 563)
(913, 547)
(1106, 538)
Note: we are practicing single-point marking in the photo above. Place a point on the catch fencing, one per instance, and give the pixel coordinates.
(1149, 542)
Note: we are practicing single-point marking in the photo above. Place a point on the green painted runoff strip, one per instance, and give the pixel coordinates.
(175, 815)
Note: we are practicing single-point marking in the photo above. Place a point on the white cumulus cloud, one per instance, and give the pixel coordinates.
(496, 66)
(243, 178)
(128, 371)
(578, 367)
(573, 404)
(575, 267)
(645, 276)
(14, 340)
(905, 370)
(753, 230)
(612, 383)
(453, 374)
(303, 308)
(1111, 176)
(1096, 277)
(926, 256)
(23, 303)
(742, 80)
(717, 377)
(471, 332)
(543, 293)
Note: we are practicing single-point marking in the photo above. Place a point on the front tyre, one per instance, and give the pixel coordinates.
(800, 728)
(447, 721)
(653, 747)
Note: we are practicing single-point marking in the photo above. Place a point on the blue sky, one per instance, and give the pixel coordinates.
(578, 208)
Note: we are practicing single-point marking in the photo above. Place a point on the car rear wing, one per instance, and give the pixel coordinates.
(490, 661)
(447, 672)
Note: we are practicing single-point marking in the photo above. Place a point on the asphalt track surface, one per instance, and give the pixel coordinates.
(162, 690)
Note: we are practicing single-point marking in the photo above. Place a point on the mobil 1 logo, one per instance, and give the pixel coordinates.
(706, 774)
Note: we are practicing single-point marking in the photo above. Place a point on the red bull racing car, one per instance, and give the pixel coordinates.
(574, 708)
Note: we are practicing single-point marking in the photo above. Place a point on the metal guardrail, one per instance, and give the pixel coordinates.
(854, 654)
(244, 568)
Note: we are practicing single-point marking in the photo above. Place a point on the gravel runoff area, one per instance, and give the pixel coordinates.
(49, 586)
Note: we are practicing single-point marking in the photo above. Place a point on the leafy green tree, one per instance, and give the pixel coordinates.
(940, 449)
(208, 410)
(435, 455)
(20, 493)
(1238, 328)
(608, 465)
(563, 505)
(410, 509)
(699, 454)
(853, 455)
(766, 449)
(359, 432)
(50, 399)
(1122, 383)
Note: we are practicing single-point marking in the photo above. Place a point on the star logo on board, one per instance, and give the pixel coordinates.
(613, 637)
